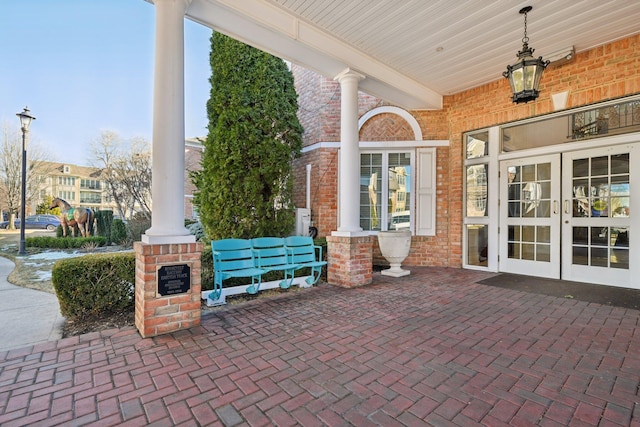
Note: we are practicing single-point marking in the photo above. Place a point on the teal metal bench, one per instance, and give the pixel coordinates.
(302, 252)
(234, 258)
(271, 255)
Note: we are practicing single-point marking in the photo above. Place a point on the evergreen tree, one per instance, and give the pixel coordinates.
(244, 189)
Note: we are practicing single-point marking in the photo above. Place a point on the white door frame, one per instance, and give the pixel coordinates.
(529, 243)
(599, 274)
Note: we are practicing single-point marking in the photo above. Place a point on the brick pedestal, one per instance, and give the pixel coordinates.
(156, 314)
(349, 261)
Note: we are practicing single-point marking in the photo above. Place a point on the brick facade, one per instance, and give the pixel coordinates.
(603, 73)
(156, 315)
(350, 261)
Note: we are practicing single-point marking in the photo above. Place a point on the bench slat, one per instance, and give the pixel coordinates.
(252, 258)
(302, 251)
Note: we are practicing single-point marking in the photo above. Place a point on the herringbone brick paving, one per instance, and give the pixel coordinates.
(433, 348)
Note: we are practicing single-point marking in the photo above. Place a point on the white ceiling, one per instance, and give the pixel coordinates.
(413, 52)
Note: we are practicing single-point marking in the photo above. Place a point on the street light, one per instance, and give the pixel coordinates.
(25, 121)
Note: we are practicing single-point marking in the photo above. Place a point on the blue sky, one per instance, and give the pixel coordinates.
(84, 66)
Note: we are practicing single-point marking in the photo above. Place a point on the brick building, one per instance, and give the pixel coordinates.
(490, 185)
(457, 222)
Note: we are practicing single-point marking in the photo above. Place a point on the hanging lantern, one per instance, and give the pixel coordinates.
(524, 76)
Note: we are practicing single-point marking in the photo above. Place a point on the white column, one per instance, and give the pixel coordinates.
(167, 188)
(349, 173)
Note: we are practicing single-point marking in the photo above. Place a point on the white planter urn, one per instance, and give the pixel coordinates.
(395, 246)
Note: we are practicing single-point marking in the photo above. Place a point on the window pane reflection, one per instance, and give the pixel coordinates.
(477, 190)
(477, 250)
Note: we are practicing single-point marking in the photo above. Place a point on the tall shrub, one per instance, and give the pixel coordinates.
(103, 223)
(118, 231)
(245, 186)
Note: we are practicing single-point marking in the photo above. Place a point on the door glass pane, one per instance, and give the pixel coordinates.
(599, 197)
(528, 233)
(514, 242)
(599, 236)
(600, 166)
(513, 191)
(514, 250)
(529, 173)
(543, 253)
(544, 209)
(581, 235)
(580, 198)
(580, 168)
(477, 238)
(601, 246)
(528, 251)
(544, 171)
(620, 164)
(599, 257)
(620, 258)
(620, 237)
(580, 255)
(543, 234)
(477, 190)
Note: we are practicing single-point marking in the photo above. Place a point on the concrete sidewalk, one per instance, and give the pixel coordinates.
(27, 316)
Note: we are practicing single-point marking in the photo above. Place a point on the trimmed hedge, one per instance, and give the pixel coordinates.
(92, 285)
(62, 243)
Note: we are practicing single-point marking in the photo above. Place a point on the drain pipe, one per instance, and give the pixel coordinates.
(309, 186)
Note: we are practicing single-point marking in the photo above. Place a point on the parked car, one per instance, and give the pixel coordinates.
(44, 221)
(400, 220)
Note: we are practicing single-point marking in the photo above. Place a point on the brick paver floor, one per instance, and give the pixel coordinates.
(433, 348)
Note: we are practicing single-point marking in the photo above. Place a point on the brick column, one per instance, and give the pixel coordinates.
(349, 260)
(156, 314)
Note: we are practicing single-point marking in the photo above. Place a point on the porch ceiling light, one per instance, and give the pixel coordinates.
(524, 76)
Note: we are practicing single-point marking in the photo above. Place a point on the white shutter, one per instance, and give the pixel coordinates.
(426, 192)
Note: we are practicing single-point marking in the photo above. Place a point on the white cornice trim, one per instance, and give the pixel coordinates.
(382, 145)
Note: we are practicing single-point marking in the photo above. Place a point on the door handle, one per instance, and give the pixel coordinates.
(566, 207)
(555, 207)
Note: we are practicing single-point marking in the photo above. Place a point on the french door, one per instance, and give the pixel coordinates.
(570, 215)
(530, 216)
(596, 211)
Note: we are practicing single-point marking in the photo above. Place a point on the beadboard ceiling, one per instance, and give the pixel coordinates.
(412, 52)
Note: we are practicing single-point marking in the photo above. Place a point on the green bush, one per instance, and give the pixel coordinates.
(118, 231)
(94, 285)
(64, 243)
(206, 270)
(70, 231)
(197, 230)
(137, 227)
(103, 223)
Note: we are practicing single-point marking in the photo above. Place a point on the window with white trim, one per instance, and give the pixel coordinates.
(476, 196)
(398, 190)
(385, 190)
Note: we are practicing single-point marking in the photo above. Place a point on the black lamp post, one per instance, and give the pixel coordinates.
(25, 121)
(524, 76)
